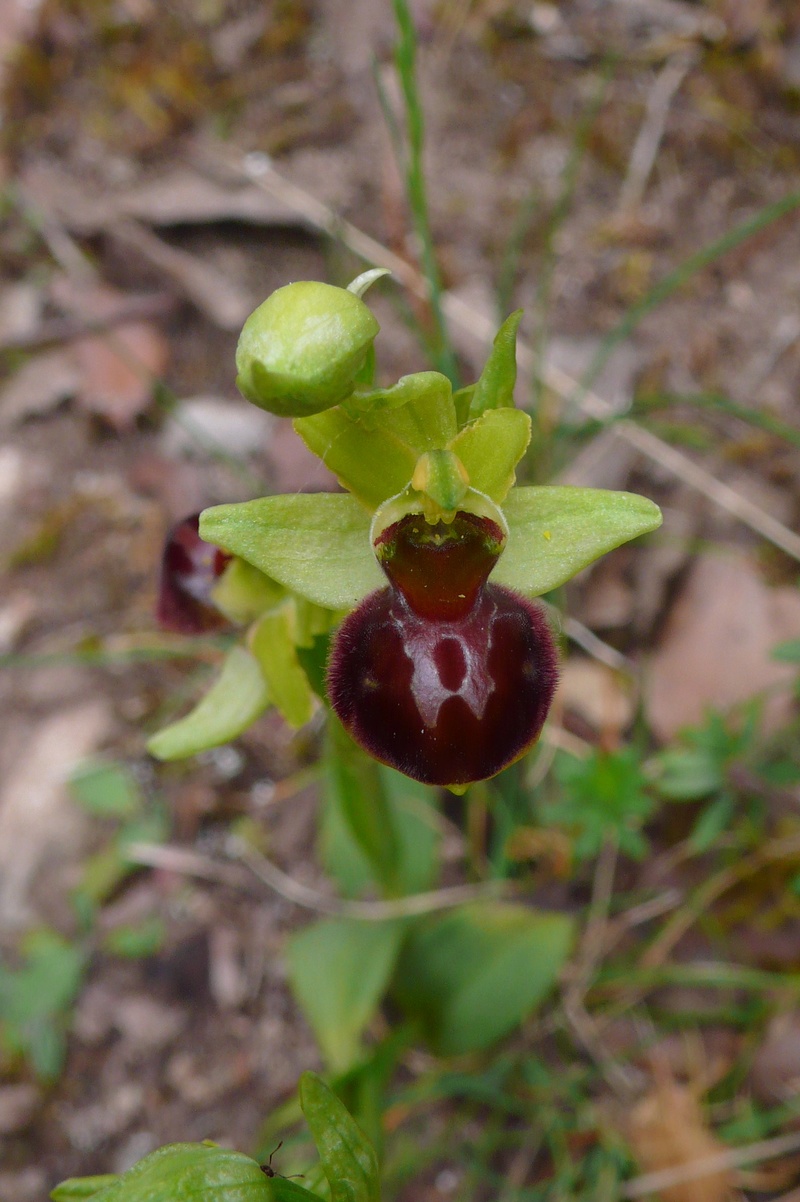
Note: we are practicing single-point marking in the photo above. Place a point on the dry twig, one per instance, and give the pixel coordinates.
(190, 863)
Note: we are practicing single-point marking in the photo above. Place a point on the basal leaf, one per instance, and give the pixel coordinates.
(347, 1156)
(495, 388)
(339, 969)
(315, 544)
(554, 532)
(179, 1173)
(490, 449)
(418, 827)
(272, 644)
(470, 976)
(237, 697)
(105, 789)
(379, 827)
(79, 1188)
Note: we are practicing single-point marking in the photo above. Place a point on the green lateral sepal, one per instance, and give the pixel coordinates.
(316, 544)
(554, 532)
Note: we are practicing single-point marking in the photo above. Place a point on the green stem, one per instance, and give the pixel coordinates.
(405, 61)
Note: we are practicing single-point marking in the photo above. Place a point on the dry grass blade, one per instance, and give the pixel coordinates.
(481, 327)
(774, 851)
(648, 141)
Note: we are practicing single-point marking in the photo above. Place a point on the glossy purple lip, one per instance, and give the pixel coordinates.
(441, 675)
(189, 570)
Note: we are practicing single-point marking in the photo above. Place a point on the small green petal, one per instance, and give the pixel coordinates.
(242, 592)
(272, 644)
(238, 696)
(490, 449)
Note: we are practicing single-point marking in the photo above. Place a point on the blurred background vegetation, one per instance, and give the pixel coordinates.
(629, 174)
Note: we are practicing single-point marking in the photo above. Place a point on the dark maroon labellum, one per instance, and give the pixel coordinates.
(189, 570)
(441, 675)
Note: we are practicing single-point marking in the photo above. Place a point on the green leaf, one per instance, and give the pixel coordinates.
(688, 774)
(272, 644)
(554, 532)
(136, 940)
(104, 871)
(315, 544)
(788, 652)
(495, 388)
(237, 697)
(36, 1000)
(314, 662)
(339, 969)
(416, 822)
(347, 1156)
(715, 818)
(284, 1190)
(600, 795)
(490, 449)
(354, 780)
(76, 1188)
(411, 816)
(105, 790)
(180, 1173)
(471, 975)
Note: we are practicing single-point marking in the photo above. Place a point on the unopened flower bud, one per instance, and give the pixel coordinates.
(301, 350)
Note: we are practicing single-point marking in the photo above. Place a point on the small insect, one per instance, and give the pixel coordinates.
(268, 1169)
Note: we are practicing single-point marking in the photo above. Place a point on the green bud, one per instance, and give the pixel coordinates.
(301, 351)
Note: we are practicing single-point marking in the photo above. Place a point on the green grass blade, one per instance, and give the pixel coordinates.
(676, 279)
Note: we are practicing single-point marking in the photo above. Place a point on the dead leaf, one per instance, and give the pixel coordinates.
(775, 1075)
(38, 387)
(36, 817)
(667, 1130)
(213, 293)
(13, 474)
(118, 371)
(15, 614)
(201, 427)
(293, 467)
(595, 692)
(716, 648)
(27, 1185)
(18, 1106)
(20, 310)
(179, 196)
